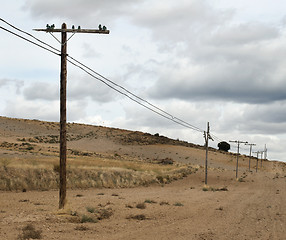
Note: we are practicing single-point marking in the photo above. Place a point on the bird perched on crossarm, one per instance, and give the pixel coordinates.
(99, 27)
(104, 28)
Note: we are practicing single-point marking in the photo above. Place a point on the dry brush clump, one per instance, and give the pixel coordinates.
(29, 232)
(92, 215)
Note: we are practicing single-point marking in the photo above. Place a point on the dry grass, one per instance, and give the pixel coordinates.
(32, 161)
(45, 177)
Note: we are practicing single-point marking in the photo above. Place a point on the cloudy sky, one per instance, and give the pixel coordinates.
(217, 61)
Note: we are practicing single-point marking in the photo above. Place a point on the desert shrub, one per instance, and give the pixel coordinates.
(29, 232)
(86, 218)
(90, 209)
(141, 205)
(178, 204)
(164, 203)
(224, 146)
(104, 214)
(149, 201)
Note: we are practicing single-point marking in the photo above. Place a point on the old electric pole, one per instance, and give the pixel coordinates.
(238, 143)
(257, 159)
(207, 136)
(250, 145)
(63, 85)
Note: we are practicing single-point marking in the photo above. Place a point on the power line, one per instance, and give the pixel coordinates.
(136, 101)
(158, 110)
(170, 116)
(30, 35)
(5, 29)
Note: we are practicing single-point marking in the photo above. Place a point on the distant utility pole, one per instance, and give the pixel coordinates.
(63, 84)
(207, 136)
(238, 143)
(265, 154)
(250, 145)
(261, 158)
(257, 159)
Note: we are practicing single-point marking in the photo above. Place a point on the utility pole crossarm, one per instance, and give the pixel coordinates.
(73, 30)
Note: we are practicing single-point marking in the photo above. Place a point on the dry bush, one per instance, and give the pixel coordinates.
(90, 219)
(29, 232)
(141, 205)
(90, 209)
(104, 213)
(178, 204)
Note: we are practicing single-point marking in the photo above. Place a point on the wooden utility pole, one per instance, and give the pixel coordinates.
(250, 145)
(238, 143)
(207, 136)
(257, 159)
(63, 118)
(265, 152)
(63, 87)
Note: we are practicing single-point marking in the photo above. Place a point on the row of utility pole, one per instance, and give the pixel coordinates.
(207, 136)
(63, 84)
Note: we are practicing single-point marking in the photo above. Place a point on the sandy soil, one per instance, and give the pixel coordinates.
(252, 209)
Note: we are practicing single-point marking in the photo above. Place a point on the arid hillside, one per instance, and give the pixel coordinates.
(132, 185)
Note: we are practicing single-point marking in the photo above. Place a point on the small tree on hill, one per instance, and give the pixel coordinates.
(224, 146)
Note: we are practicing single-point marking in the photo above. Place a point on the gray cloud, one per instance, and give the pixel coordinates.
(42, 90)
(82, 87)
(229, 81)
(4, 82)
(83, 12)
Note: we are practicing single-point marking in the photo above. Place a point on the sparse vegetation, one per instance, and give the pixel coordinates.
(29, 232)
(104, 213)
(212, 189)
(149, 201)
(90, 209)
(141, 205)
(178, 204)
(90, 219)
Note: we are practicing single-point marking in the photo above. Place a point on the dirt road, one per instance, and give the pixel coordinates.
(253, 208)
